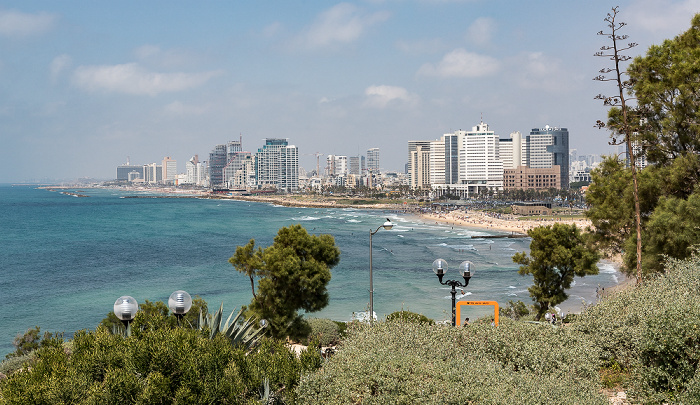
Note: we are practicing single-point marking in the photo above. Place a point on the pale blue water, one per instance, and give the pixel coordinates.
(65, 260)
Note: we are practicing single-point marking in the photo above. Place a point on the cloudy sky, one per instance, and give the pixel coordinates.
(85, 84)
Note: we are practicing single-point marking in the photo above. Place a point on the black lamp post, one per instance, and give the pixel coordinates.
(179, 303)
(387, 225)
(125, 308)
(466, 270)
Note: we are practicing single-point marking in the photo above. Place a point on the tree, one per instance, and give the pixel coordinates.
(620, 117)
(666, 83)
(557, 254)
(292, 275)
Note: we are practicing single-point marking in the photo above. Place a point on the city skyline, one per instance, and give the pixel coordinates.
(86, 85)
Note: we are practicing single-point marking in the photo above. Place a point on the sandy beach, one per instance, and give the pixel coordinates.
(500, 222)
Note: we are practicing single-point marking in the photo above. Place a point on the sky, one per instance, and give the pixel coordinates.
(86, 85)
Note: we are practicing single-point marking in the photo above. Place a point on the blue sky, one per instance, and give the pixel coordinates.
(85, 84)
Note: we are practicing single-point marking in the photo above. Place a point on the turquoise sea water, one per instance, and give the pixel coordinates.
(65, 260)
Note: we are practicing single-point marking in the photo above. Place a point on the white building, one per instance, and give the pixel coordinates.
(277, 165)
(480, 163)
(437, 161)
(419, 164)
(169, 170)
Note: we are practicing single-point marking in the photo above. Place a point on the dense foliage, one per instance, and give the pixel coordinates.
(323, 331)
(651, 334)
(409, 316)
(668, 198)
(645, 340)
(557, 254)
(169, 366)
(666, 127)
(408, 362)
(292, 275)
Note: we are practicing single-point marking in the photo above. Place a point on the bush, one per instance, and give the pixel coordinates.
(324, 331)
(164, 365)
(514, 310)
(652, 333)
(408, 316)
(408, 362)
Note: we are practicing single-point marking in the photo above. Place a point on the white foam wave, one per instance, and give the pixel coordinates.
(306, 218)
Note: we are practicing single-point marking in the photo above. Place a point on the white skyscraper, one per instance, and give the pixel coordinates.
(277, 165)
(437, 161)
(480, 164)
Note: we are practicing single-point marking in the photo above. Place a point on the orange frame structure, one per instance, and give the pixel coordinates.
(460, 304)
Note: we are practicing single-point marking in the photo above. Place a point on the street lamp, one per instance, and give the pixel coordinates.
(125, 308)
(387, 225)
(179, 303)
(466, 270)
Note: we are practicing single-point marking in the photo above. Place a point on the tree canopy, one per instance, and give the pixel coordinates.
(557, 254)
(292, 275)
(666, 83)
(666, 124)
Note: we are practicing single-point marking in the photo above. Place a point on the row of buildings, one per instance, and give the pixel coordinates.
(466, 163)
(274, 166)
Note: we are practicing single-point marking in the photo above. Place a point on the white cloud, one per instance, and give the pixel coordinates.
(382, 96)
(343, 23)
(131, 78)
(58, 65)
(17, 23)
(155, 57)
(481, 31)
(535, 70)
(460, 63)
(668, 18)
(422, 47)
(271, 30)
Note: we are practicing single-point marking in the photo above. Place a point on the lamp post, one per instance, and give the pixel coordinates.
(466, 270)
(125, 308)
(387, 225)
(179, 303)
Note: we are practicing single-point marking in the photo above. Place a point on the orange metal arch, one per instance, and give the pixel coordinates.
(460, 304)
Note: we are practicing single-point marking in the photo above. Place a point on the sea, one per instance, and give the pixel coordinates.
(64, 260)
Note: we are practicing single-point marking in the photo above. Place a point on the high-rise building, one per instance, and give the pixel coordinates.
(277, 165)
(127, 171)
(452, 143)
(419, 164)
(354, 165)
(373, 160)
(169, 170)
(437, 161)
(480, 164)
(547, 147)
(513, 151)
(217, 161)
(238, 171)
(152, 173)
(289, 169)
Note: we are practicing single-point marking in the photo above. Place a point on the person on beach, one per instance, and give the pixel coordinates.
(466, 321)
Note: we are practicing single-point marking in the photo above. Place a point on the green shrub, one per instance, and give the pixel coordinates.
(324, 331)
(514, 310)
(408, 362)
(652, 332)
(164, 365)
(408, 316)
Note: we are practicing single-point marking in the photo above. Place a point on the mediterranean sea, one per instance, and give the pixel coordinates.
(64, 260)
